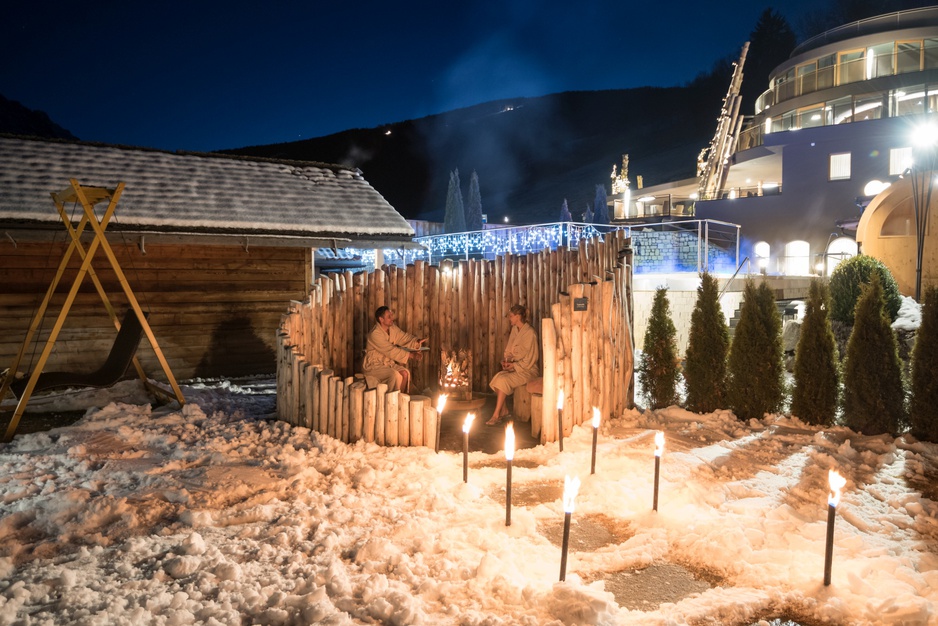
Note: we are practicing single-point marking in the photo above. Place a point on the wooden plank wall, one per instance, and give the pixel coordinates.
(214, 309)
(465, 305)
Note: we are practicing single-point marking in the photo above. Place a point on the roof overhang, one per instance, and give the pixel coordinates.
(47, 232)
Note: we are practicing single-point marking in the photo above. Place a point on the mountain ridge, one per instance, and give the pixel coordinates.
(530, 153)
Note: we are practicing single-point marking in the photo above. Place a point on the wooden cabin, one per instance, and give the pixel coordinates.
(215, 248)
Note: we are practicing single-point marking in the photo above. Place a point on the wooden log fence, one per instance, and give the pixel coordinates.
(579, 300)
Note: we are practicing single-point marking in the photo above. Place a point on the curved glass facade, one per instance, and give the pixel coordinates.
(840, 77)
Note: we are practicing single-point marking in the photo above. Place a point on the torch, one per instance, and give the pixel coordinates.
(659, 449)
(837, 483)
(440, 403)
(465, 446)
(509, 453)
(596, 418)
(560, 418)
(570, 487)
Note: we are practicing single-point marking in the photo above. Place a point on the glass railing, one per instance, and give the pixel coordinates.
(847, 72)
(688, 245)
(731, 193)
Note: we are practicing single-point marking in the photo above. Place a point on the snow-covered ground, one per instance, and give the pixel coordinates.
(213, 514)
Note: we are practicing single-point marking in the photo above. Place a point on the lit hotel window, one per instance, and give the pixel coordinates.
(840, 166)
(900, 159)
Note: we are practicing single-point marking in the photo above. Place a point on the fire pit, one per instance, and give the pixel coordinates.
(456, 380)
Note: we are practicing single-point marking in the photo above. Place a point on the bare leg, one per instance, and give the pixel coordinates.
(405, 380)
(500, 409)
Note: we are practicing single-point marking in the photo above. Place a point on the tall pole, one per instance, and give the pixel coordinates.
(921, 201)
(923, 166)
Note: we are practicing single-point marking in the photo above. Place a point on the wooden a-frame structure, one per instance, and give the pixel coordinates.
(88, 197)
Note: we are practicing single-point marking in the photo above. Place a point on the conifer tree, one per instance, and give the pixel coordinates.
(817, 373)
(873, 394)
(588, 215)
(709, 342)
(565, 215)
(657, 368)
(454, 220)
(924, 405)
(474, 204)
(600, 208)
(755, 384)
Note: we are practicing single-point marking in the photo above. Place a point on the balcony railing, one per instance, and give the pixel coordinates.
(849, 71)
(681, 246)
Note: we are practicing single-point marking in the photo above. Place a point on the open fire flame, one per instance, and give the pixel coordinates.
(466, 425)
(659, 443)
(837, 483)
(570, 488)
(441, 403)
(456, 372)
(597, 416)
(510, 441)
(560, 400)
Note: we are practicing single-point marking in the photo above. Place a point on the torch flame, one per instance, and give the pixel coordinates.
(659, 443)
(510, 441)
(440, 403)
(466, 424)
(570, 487)
(837, 483)
(596, 417)
(560, 400)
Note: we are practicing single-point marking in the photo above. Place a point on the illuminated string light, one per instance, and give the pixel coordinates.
(493, 242)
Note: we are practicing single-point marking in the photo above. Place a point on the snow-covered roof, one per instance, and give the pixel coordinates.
(197, 193)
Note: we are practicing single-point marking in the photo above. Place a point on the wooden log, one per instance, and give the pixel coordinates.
(446, 306)
(356, 410)
(314, 381)
(566, 306)
(521, 404)
(434, 333)
(419, 318)
(546, 424)
(392, 416)
(431, 427)
(587, 356)
(408, 299)
(281, 350)
(464, 287)
(380, 414)
(332, 386)
(576, 354)
(416, 407)
(324, 400)
(608, 380)
(346, 432)
(475, 321)
(294, 407)
(391, 296)
(403, 420)
(537, 411)
(370, 413)
(308, 377)
(338, 399)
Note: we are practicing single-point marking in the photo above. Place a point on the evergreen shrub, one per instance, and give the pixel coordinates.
(873, 395)
(707, 348)
(755, 385)
(845, 283)
(658, 372)
(924, 403)
(817, 372)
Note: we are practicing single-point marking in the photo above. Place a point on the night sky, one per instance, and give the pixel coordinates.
(206, 75)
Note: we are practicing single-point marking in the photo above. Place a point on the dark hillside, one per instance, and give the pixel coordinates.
(530, 153)
(16, 119)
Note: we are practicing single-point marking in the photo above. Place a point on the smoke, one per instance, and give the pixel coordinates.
(491, 138)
